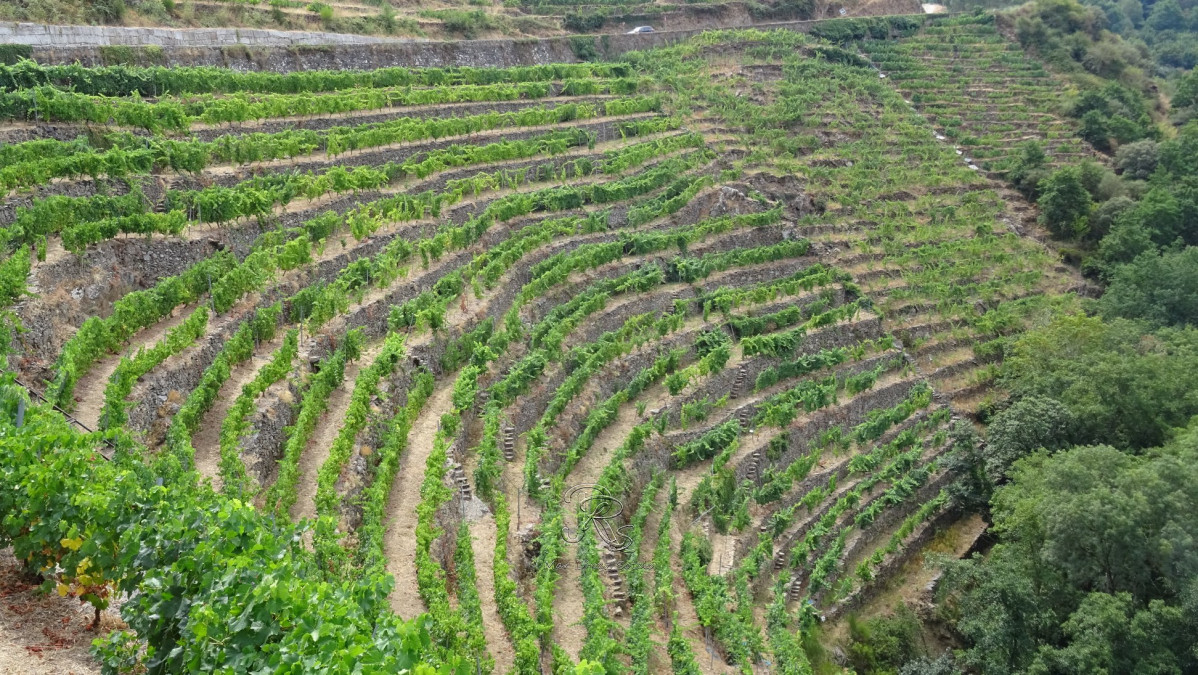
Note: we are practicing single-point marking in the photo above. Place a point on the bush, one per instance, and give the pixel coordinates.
(1137, 160)
(10, 54)
(1029, 170)
(468, 24)
(1064, 203)
(584, 22)
(885, 643)
(109, 11)
(584, 48)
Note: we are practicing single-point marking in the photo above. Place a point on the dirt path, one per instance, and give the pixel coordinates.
(43, 634)
(687, 618)
(89, 390)
(207, 438)
(482, 533)
(399, 545)
(568, 603)
(317, 451)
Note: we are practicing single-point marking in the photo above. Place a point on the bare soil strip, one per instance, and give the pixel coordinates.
(399, 546)
(89, 390)
(317, 450)
(482, 533)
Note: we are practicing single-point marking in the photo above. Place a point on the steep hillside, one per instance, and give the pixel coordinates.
(737, 299)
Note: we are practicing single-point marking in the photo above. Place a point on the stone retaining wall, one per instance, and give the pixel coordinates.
(253, 49)
(56, 37)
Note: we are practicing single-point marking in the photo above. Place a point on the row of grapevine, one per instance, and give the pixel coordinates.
(242, 571)
(374, 500)
(715, 606)
(159, 80)
(179, 114)
(98, 336)
(641, 621)
(139, 309)
(179, 457)
(130, 369)
(235, 425)
(357, 414)
(282, 494)
(126, 154)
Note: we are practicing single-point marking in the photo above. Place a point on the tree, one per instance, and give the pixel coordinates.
(1003, 608)
(1160, 212)
(1137, 160)
(1120, 386)
(1166, 15)
(925, 666)
(1117, 20)
(1095, 131)
(974, 485)
(1064, 203)
(1127, 240)
(1094, 571)
(1092, 174)
(1187, 91)
(1106, 214)
(1109, 633)
(1032, 423)
(1179, 156)
(1162, 289)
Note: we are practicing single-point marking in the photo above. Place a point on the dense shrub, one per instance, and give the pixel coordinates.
(1064, 203)
(1162, 289)
(1137, 160)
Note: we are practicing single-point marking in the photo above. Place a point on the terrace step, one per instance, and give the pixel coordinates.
(457, 474)
(509, 443)
(611, 564)
(794, 590)
(742, 374)
(754, 464)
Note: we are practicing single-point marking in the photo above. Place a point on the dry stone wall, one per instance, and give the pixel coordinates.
(59, 37)
(284, 51)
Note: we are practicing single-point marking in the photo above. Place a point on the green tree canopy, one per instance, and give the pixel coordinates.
(1096, 568)
(1064, 202)
(1121, 386)
(1162, 289)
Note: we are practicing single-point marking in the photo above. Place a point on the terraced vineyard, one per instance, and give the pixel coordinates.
(738, 285)
(982, 93)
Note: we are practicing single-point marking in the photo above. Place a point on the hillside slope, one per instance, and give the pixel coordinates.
(737, 290)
